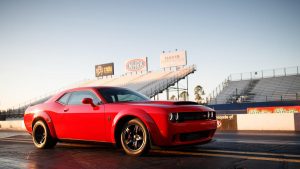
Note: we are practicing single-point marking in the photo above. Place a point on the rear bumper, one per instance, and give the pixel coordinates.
(188, 133)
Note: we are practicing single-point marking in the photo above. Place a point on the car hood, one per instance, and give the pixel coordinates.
(171, 105)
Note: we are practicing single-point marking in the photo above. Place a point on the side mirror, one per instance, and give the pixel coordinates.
(88, 101)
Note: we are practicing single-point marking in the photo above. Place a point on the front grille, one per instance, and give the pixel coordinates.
(189, 116)
(194, 136)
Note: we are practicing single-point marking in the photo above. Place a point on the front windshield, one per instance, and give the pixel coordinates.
(113, 95)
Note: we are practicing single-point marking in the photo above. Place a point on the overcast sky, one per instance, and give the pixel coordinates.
(45, 45)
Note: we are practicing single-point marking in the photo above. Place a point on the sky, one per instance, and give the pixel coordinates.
(46, 45)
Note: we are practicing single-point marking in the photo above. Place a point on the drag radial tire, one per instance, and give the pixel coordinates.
(41, 136)
(134, 138)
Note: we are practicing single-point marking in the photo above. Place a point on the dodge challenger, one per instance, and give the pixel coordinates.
(120, 116)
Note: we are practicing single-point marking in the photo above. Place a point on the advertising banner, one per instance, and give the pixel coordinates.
(227, 122)
(277, 109)
(137, 64)
(104, 70)
(172, 59)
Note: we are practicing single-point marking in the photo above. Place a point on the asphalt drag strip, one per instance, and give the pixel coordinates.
(278, 157)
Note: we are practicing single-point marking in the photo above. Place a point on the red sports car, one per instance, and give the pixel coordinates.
(119, 116)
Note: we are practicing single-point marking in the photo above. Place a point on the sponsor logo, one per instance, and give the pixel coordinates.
(173, 59)
(219, 123)
(136, 65)
(104, 70)
(224, 117)
(284, 109)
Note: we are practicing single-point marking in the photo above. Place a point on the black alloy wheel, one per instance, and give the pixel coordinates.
(134, 138)
(41, 136)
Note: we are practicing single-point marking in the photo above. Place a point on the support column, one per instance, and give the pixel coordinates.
(177, 91)
(168, 94)
(187, 88)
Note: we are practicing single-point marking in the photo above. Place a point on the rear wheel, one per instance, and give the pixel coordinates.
(41, 136)
(134, 138)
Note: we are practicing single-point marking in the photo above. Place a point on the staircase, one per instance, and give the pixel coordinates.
(243, 95)
(249, 95)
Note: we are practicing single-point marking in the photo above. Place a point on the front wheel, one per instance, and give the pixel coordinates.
(134, 138)
(41, 136)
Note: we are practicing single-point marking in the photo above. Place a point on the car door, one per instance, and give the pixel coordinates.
(83, 121)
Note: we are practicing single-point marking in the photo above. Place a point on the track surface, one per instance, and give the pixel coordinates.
(233, 150)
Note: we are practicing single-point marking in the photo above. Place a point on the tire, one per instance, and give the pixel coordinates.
(135, 138)
(41, 136)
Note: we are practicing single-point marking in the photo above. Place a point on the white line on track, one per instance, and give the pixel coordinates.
(251, 153)
(272, 142)
(15, 141)
(229, 156)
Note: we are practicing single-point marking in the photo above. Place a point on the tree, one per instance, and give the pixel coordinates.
(184, 95)
(173, 97)
(199, 92)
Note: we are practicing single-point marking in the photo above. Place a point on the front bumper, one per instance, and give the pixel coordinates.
(190, 132)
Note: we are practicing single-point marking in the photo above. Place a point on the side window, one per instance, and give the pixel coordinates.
(77, 97)
(128, 97)
(64, 99)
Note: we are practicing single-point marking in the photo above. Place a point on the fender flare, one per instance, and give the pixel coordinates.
(42, 115)
(137, 113)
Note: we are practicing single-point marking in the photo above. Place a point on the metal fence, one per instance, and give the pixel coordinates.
(266, 73)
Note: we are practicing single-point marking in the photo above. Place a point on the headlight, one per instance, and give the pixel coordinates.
(173, 116)
(211, 115)
(214, 115)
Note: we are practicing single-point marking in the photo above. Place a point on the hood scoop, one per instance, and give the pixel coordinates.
(175, 102)
(185, 103)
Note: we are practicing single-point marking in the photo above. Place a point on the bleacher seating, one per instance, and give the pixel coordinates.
(150, 83)
(232, 89)
(277, 88)
(282, 88)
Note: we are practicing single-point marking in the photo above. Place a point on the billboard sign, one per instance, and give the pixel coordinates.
(104, 70)
(138, 64)
(277, 109)
(173, 59)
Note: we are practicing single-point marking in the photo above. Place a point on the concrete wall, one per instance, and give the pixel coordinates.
(12, 125)
(263, 122)
(297, 121)
(282, 122)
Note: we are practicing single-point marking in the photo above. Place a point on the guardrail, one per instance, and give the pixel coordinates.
(266, 73)
(262, 98)
(161, 86)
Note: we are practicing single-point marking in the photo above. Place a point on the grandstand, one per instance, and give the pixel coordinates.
(148, 83)
(282, 87)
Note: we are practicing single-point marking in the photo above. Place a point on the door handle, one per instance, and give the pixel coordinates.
(66, 109)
